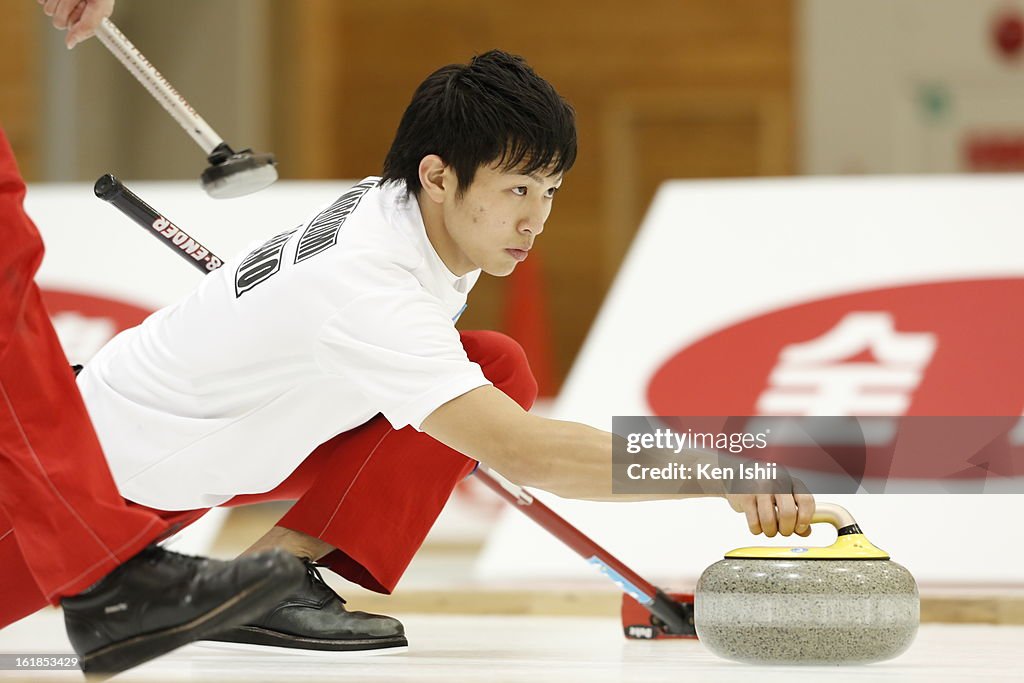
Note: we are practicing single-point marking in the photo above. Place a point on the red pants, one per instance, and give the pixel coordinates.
(372, 493)
(63, 524)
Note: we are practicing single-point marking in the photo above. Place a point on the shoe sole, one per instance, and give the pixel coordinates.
(248, 604)
(271, 650)
(266, 640)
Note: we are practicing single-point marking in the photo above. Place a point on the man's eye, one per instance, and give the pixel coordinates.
(552, 191)
(521, 190)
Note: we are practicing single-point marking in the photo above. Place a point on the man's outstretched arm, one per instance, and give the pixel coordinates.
(574, 460)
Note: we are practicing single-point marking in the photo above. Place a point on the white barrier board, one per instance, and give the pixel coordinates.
(724, 277)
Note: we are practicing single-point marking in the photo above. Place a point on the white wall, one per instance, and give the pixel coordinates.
(899, 86)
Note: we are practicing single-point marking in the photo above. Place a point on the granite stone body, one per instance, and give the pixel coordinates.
(783, 611)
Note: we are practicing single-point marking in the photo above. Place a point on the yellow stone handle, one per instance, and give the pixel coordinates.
(850, 544)
(833, 514)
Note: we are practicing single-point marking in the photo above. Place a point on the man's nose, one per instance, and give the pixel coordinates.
(534, 222)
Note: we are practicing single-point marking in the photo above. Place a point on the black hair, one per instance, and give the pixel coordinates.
(494, 110)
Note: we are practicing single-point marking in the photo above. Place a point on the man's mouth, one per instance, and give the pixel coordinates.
(518, 254)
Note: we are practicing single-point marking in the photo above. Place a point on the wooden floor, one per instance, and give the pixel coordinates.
(538, 649)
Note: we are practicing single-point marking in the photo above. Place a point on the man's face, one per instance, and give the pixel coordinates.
(495, 222)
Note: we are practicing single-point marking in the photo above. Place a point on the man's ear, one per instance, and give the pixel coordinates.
(433, 178)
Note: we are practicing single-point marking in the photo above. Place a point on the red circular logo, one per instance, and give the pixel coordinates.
(963, 340)
(1008, 34)
(939, 349)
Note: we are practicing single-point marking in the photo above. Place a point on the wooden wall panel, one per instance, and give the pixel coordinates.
(662, 88)
(651, 136)
(21, 84)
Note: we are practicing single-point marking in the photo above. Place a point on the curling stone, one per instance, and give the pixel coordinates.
(844, 604)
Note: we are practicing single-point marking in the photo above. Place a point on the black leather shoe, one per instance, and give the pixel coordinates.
(314, 618)
(160, 600)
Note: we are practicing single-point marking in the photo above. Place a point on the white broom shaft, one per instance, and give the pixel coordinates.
(158, 87)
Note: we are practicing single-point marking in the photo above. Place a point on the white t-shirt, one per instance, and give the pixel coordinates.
(300, 338)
